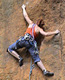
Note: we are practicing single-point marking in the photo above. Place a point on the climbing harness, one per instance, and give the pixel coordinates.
(32, 66)
(30, 39)
(35, 43)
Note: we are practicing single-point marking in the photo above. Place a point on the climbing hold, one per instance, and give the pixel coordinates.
(27, 3)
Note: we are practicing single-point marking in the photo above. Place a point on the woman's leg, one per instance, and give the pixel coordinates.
(12, 50)
(45, 72)
(15, 54)
(36, 58)
(40, 64)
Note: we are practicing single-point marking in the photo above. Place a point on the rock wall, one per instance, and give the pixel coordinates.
(13, 25)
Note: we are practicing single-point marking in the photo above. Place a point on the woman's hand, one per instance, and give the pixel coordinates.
(57, 31)
(23, 6)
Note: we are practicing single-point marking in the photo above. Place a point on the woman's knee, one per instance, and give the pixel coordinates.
(12, 47)
(9, 50)
(37, 60)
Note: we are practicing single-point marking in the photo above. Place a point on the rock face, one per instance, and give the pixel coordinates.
(13, 25)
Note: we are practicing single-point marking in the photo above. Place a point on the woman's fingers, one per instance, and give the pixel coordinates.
(23, 6)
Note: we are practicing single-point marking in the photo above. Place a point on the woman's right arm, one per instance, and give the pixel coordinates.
(26, 15)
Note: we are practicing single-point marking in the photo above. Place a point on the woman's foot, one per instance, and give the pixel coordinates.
(48, 73)
(20, 61)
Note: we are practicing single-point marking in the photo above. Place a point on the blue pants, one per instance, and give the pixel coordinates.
(25, 43)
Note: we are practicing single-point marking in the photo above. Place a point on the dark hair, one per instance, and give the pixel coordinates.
(40, 38)
(40, 23)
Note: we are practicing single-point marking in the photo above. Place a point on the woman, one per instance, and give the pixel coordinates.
(28, 41)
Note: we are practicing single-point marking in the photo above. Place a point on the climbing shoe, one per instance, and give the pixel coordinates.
(48, 73)
(7, 50)
(20, 61)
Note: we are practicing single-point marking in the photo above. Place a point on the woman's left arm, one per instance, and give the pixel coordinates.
(48, 33)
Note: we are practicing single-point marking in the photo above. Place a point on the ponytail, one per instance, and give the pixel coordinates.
(40, 23)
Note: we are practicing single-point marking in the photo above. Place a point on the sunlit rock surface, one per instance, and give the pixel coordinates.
(13, 25)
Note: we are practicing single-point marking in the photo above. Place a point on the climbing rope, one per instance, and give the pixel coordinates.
(61, 45)
(31, 67)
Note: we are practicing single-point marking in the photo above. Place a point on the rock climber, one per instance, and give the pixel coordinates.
(28, 41)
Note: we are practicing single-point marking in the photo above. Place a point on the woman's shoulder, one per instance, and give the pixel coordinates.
(31, 25)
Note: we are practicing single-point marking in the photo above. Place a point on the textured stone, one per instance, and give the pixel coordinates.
(13, 25)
